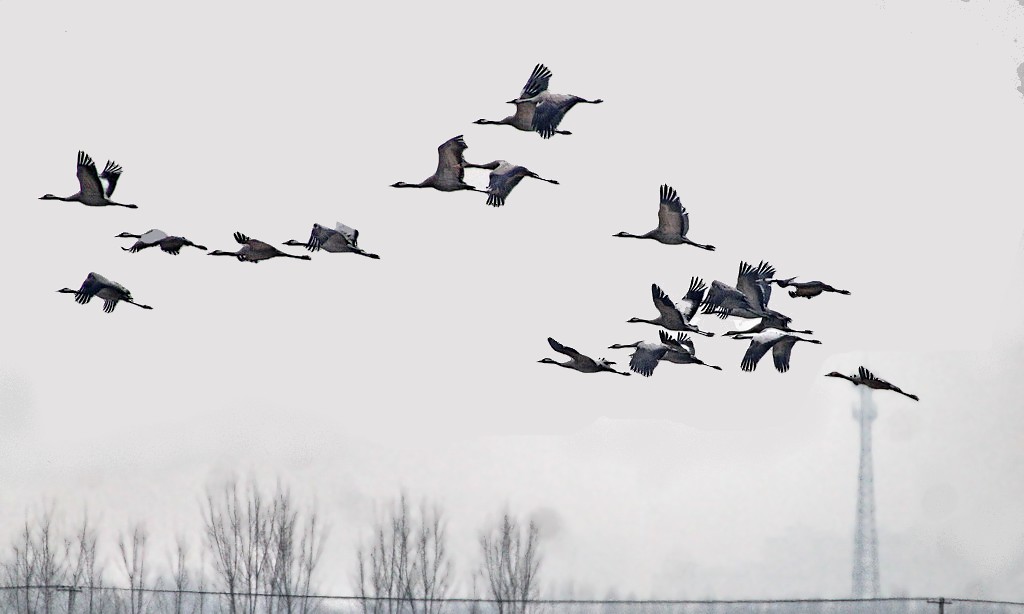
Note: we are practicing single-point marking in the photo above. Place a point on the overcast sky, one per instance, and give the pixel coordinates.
(872, 145)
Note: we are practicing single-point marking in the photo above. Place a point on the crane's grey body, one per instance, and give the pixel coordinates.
(339, 239)
(170, 244)
(647, 355)
(255, 251)
(777, 321)
(99, 286)
(503, 177)
(451, 169)
(577, 361)
(673, 222)
(870, 380)
(749, 299)
(682, 351)
(537, 109)
(90, 188)
(675, 317)
(807, 289)
(780, 343)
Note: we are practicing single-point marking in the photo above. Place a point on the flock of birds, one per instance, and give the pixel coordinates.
(541, 111)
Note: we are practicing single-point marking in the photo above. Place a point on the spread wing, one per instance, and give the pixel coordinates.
(681, 342)
(694, 297)
(664, 304)
(672, 216)
(500, 184)
(645, 359)
(450, 163)
(350, 233)
(865, 374)
(88, 180)
(241, 238)
(537, 83)
(721, 300)
(753, 355)
(563, 349)
(111, 172)
(550, 111)
(751, 282)
(781, 351)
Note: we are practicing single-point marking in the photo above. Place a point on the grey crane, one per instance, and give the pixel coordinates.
(255, 251)
(451, 169)
(537, 109)
(577, 361)
(341, 238)
(90, 188)
(777, 321)
(749, 299)
(170, 244)
(673, 222)
(675, 317)
(645, 356)
(682, 351)
(780, 343)
(807, 289)
(505, 176)
(110, 291)
(869, 379)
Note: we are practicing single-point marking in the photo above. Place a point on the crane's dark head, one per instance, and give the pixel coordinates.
(835, 374)
(127, 235)
(49, 197)
(548, 361)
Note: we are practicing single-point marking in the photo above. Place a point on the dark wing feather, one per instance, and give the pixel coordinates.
(111, 172)
(672, 217)
(450, 162)
(241, 238)
(643, 360)
(88, 181)
(549, 113)
(781, 351)
(751, 282)
(563, 349)
(753, 355)
(865, 374)
(500, 185)
(537, 83)
(694, 297)
(665, 306)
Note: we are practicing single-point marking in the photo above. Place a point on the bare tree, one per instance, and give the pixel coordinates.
(433, 566)
(36, 566)
(295, 546)
(80, 553)
(133, 560)
(406, 568)
(511, 561)
(262, 551)
(180, 577)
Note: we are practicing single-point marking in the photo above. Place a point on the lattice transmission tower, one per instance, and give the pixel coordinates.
(865, 538)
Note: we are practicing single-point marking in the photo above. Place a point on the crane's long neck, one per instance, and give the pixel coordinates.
(627, 235)
(656, 322)
(67, 199)
(140, 305)
(218, 252)
(500, 122)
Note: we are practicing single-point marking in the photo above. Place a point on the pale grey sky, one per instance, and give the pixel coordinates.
(875, 146)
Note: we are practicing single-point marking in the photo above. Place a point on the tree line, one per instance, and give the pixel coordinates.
(260, 552)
